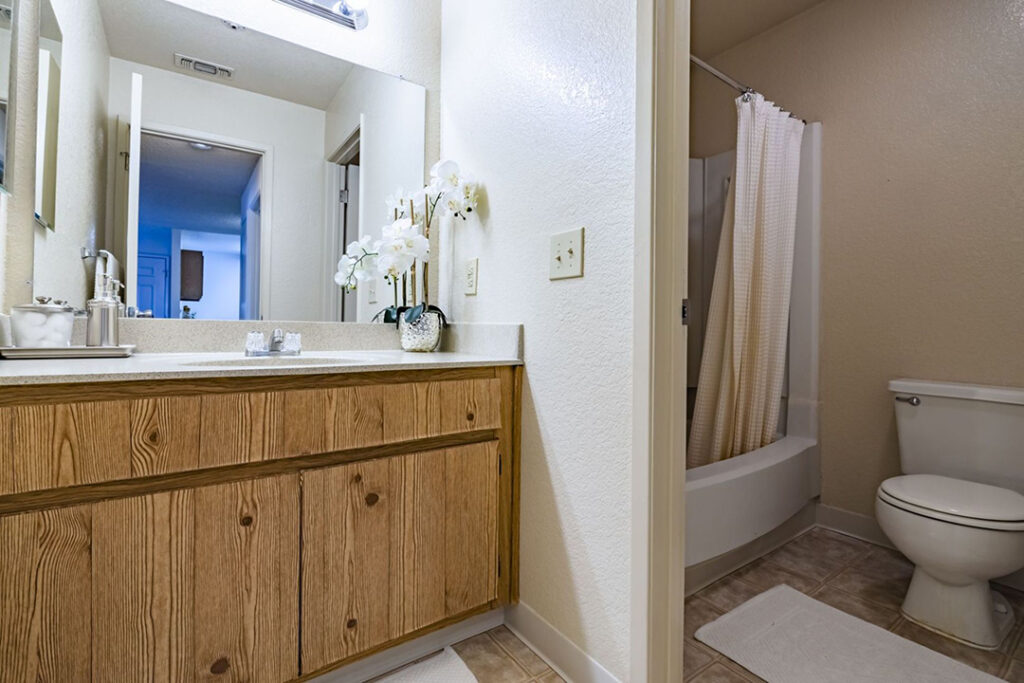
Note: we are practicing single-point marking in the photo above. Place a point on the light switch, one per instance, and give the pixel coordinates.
(567, 255)
(469, 276)
(371, 291)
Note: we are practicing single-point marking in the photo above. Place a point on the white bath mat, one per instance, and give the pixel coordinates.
(784, 636)
(446, 667)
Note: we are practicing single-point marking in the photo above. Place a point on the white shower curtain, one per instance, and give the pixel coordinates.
(744, 360)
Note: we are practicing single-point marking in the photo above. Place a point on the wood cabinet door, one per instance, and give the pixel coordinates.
(198, 584)
(45, 620)
(393, 545)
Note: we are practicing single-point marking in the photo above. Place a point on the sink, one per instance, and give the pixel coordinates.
(271, 362)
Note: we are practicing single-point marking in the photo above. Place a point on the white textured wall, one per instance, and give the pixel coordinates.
(538, 101)
(390, 150)
(296, 134)
(81, 158)
(403, 38)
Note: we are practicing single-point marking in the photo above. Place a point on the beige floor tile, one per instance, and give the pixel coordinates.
(488, 662)
(719, 673)
(1018, 652)
(871, 612)
(694, 659)
(519, 651)
(819, 553)
(736, 668)
(550, 677)
(696, 613)
(886, 562)
(729, 593)
(765, 575)
(888, 591)
(985, 660)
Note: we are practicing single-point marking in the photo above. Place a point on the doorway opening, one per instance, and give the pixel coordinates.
(342, 224)
(200, 228)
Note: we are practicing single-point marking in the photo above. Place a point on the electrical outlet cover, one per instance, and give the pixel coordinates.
(566, 260)
(470, 274)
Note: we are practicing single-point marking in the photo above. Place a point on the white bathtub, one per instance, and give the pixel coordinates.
(735, 501)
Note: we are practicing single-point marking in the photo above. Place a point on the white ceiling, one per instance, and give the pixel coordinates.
(151, 31)
(189, 189)
(718, 25)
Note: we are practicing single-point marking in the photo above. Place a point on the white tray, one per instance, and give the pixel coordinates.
(14, 352)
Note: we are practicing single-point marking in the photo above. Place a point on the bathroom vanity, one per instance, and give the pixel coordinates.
(201, 522)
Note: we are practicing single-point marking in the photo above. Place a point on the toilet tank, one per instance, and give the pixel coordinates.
(965, 431)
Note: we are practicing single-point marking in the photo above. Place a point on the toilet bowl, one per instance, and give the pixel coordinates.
(959, 534)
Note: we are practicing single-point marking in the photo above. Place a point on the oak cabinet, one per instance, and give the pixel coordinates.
(233, 534)
(392, 545)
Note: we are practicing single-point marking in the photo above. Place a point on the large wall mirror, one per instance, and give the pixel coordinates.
(231, 167)
(6, 22)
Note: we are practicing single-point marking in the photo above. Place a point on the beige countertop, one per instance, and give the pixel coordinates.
(156, 366)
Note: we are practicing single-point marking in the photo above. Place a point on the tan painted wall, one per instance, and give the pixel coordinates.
(923, 201)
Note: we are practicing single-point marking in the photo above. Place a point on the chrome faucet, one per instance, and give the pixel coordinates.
(276, 341)
(281, 344)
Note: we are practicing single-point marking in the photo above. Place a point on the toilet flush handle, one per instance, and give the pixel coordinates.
(912, 400)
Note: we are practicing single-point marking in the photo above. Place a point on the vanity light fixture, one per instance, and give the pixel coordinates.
(349, 13)
(201, 146)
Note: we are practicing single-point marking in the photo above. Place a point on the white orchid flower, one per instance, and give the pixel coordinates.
(446, 172)
(357, 264)
(397, 201)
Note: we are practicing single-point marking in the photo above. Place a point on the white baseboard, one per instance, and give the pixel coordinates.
(563, 655)
(866, 528)
(403, 654)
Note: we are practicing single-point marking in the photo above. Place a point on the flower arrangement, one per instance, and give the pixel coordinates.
(404, 245)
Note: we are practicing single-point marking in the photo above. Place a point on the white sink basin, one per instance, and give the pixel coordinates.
(270, 362)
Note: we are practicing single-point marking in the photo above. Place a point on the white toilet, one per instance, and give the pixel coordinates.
(957, 512)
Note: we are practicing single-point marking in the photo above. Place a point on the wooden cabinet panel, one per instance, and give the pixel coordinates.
(239, 428)
(198, 584)
(393, 545)
(470, 521)
(470, 404)
(164, 435)
(307, 422)
(50, 446)
(143, 588)
(359, 420)
(247, 580)
(351, 541)
(451, 532)
(45, 620)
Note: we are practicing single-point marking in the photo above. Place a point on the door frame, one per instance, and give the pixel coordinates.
(334, 181)
(659, 370)
(266, 185)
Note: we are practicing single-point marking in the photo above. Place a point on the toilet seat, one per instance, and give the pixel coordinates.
(957, 501)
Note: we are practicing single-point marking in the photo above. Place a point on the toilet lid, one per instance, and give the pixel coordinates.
(957, 497)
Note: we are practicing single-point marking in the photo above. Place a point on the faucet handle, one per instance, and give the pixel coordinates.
(293, 342)
(277, 334)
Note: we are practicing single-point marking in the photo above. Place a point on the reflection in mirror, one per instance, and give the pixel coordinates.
(48, 115)
(238, 165)
(6, 20)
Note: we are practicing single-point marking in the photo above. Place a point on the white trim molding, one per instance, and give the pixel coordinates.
(562, 654)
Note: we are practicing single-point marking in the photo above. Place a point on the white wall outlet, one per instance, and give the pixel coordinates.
(470, 273)
(566, 255)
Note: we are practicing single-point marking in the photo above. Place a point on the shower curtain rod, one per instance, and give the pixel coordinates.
(729, 80)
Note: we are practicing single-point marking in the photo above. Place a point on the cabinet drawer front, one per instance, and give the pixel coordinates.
(425, 409)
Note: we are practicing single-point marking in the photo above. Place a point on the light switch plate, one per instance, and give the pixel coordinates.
(371, 292)
(566, 255)
(470, 273)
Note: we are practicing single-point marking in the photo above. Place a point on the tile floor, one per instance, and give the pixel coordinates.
(498, 656)
(862, 579)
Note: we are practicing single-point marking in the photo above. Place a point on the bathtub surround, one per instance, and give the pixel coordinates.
(921, 237)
